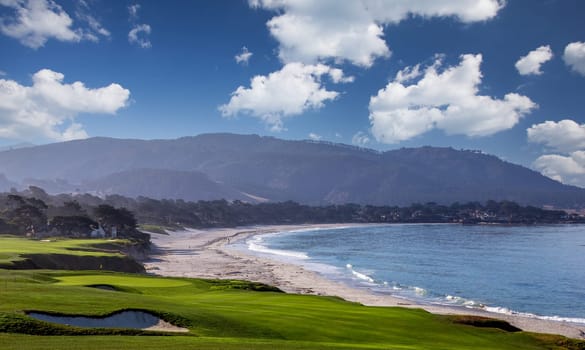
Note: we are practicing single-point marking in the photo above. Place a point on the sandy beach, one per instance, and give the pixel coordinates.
(206, 254)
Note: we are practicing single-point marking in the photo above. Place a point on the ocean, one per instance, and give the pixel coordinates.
(538, 271)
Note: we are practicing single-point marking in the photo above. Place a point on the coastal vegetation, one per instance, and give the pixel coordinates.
(36, 214)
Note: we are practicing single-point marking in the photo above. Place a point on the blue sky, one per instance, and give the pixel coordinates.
(382, 74)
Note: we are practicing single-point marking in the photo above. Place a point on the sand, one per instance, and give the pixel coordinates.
(206, 254)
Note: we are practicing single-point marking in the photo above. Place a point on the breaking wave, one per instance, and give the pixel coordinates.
(255, 244)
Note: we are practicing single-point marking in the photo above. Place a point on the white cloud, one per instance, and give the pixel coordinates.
(566, 169)
(244, 56)
(574, 57)
(74, 132)
(564, 136)
(360, 139)
(49, 107)
(139, 35)
(133, 11)
(531, 63)
(352, 30)
(448, 100)
(568, 138)
(2, 73)
(408, 74)
(284, 93)
(83, 13)
(140, 32)
(36, 21)
(315, 137)
(337, 76)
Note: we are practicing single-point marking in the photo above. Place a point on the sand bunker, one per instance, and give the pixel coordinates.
(124, 319)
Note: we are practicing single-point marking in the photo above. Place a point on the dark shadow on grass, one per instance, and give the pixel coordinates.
(483, 322)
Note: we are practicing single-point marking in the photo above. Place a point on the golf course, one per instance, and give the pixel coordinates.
(218, 314)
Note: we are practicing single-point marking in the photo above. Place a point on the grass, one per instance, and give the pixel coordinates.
(12, 248)
(221, 314)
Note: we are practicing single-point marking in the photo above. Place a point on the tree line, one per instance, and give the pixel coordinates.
(35, 213)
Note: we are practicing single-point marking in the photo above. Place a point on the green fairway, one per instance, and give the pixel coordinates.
(11, 248)
(228, 315)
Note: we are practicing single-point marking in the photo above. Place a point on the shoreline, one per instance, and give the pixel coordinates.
(206, 254)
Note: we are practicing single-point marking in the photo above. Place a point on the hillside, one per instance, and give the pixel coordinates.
(162, 183)
(248, 166)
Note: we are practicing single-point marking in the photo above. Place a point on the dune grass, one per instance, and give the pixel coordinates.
(231, 315)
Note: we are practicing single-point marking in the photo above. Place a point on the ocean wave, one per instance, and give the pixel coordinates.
(255, 245)
(319, 228)
(506, 311)
(359, 275)
(460, 301)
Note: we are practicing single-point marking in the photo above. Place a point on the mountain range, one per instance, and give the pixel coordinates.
(254, 168)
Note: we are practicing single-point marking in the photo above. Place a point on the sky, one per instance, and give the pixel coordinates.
(503, 77)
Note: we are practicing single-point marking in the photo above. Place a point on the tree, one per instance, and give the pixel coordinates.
(73, 226)
(28, 218)
(69, 208)
(121, 218)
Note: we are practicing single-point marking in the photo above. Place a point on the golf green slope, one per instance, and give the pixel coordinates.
(70, 254)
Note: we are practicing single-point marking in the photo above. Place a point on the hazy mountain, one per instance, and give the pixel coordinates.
(16, 146)
(232, 166)
(161, 183)
(5, 184)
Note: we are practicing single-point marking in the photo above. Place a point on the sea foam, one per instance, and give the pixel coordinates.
(256, 244)
(506, 311)
(359, 275)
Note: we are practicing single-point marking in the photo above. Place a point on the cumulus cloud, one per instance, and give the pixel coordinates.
(315, 137)
(564, 136)
(531, 63)
(49, 106)
(567, 138)
(448, 100)
(360, 139)
(574, 57)
(140, 32)
(352, 30)
(284, 93)
(34, 22)
(243, 57)
(568, 169)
